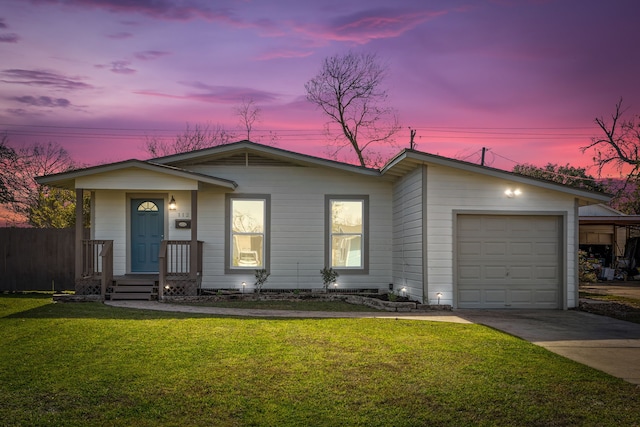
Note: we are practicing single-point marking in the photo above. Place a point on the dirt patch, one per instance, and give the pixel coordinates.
(623, 310)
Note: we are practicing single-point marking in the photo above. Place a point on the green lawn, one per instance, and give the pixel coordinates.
(87, 364)
(305, 305)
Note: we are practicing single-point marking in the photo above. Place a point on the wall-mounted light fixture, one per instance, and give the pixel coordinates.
(439, 295)
(335, 285)
(244, 285)
(512, 193)
(172, 204)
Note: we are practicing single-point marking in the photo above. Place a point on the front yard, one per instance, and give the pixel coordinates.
(89, 364)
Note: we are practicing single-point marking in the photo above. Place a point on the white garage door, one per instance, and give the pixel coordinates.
(509, 261)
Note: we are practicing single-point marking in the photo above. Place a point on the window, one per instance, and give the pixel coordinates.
(147, 207)
(247, 242)
(346, 244)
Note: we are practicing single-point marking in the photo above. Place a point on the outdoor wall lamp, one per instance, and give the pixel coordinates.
(244, 285)
(439, 295)
(172, 204)
(512, 193)
(335, 285)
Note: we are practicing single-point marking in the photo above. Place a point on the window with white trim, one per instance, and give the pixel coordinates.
(347, 233)
(247, 242)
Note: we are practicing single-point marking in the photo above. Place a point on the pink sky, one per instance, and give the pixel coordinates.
(524, 78)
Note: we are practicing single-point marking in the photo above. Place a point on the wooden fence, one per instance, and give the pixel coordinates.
(37, 259)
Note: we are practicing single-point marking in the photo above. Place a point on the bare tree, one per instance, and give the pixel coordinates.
(348, 90)
(40, 206)
(620, 144)
(198, 138)
(568, 175)
(248, 113)
(7, 159)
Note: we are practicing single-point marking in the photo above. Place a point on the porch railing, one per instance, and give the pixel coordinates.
(177, 263)
(97, 262)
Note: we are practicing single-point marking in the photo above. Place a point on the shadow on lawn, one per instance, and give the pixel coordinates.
(91, 310)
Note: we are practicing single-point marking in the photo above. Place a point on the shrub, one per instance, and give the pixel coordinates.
(261, 279)
(329, 276)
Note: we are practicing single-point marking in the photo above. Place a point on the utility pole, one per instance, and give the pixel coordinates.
(484, 150)
(412, 143)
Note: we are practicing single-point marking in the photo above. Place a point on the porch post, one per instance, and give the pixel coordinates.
(193, 268)
(79, 233)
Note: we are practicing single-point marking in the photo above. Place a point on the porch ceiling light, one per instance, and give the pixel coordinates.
(172, 204)
(512, 193)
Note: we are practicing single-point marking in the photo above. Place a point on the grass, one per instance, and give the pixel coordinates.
(337, 306)
(87, 364)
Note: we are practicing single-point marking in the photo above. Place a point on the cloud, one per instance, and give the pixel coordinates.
(9, 38)
(2, 24)
(42, 78)
(120, 36)
(284, 53)
(159, 9)
(216, 94)
(42, 101)
(149, 55)
(121, 67)
(369, 25)
(118, 67)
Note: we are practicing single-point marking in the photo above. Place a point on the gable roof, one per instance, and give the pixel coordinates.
(257, 154)
(407, 160)
(66, 180)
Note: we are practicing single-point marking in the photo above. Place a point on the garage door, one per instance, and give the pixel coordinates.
(508, 261)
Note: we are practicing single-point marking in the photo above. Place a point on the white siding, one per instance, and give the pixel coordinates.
(110, 220)
(407, 234)
(449, 190)
(135, 179)
(297, 225)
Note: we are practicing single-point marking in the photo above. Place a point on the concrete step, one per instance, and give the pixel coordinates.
(135, 281)
(146, 296)
(132, 288)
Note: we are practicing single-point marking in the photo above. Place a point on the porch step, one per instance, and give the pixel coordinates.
(134, 289)
(146, 296)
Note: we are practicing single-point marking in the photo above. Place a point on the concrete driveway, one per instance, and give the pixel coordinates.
(603, 343)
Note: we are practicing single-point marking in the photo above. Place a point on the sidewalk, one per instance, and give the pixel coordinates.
(436, 316)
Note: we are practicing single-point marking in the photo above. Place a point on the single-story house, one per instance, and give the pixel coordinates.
(432, 228)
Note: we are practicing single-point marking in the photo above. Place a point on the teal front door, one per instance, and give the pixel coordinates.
(147, 231)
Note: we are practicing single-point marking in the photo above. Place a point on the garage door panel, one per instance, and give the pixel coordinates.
(493, 224)
(468, 273)
(495, 296)
(547, 273)
(508, 261)
(546, 249)
(522, 248)
(524, 272)
(522, 296)
(494, 249)
(469, 296)
(494, 272)
(469, 248)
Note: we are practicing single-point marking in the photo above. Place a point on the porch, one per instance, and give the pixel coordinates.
(180, 272)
